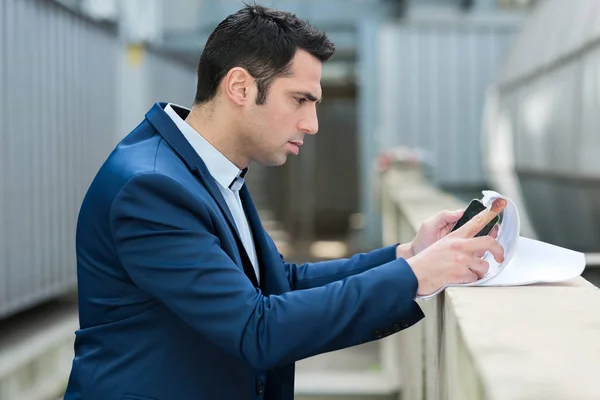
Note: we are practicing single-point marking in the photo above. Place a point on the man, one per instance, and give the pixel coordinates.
(182, 293)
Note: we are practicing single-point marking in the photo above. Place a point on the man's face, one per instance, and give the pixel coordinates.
(277, 128)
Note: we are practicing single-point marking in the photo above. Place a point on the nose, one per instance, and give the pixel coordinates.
(309, 124)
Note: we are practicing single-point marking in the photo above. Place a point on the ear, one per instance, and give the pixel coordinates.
(238, 84)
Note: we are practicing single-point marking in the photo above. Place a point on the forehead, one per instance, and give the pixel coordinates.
(305, 74)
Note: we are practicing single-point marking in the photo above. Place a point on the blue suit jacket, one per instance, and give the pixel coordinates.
(169, 304)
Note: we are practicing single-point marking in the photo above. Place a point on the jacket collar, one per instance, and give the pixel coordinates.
(171, 134)
(220, 167)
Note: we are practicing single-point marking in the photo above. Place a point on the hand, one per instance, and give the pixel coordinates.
(453, 258)
(432, 230)
(493, 233)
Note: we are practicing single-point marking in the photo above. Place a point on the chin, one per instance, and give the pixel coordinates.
(273, 158)
(279, 162)
(275, 161)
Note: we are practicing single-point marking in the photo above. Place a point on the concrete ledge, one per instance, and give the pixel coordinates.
(530, 342)
(344, 384)
(36, 351)
(502, 343)
(361, 372)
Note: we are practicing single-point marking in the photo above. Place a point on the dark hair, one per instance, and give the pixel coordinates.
(261, 40)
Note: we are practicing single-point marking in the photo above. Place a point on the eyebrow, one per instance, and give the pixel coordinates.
(309, 96)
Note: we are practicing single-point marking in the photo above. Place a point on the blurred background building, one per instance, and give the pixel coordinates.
(483, 93)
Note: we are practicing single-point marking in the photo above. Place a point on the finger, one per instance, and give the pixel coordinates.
(449, 217)
(494, 231)
(479, 245)
(479, 267)
(443, 219)
(478, 222)
(468, 277)
(447, 220)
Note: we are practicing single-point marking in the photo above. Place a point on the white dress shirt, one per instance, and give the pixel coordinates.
(230, 180)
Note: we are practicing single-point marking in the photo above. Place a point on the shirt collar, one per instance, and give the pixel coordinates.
(224, 171)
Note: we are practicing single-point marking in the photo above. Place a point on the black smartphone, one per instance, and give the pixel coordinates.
(474, 208)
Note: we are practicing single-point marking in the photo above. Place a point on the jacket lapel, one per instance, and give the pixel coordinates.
(169, 131)
(270, 281)
(211, 185)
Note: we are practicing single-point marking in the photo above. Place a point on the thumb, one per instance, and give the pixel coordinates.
(450, 217)
(449, 221)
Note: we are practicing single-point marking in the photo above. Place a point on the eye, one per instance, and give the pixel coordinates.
(301, 100)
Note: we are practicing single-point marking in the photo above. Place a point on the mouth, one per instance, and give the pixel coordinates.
(295, 145)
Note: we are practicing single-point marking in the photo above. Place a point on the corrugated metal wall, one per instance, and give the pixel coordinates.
(432, 82)
(171, 79)
(543, 119)
(61, 103)
(148, 75)
(422, 83)
(55, 109)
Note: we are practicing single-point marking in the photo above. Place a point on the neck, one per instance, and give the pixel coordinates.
(218, 128)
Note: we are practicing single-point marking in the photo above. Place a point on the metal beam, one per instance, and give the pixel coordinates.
(324, 14)
(339, 18)
(192, 43)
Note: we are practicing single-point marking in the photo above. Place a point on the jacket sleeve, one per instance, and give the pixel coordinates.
(164, 238)
(312, 275)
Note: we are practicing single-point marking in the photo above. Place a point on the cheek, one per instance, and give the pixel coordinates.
(280, 125)
(279, 112)
(275, 123)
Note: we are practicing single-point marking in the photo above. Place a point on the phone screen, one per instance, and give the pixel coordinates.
(474, 208)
